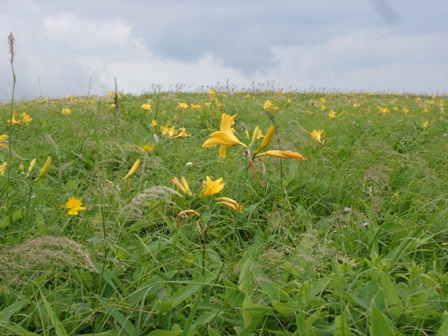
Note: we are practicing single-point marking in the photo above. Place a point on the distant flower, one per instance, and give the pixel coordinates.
(168, 131)
(395, 108)
(183, 133)
(147, 147)
(425, 124)
(153, 123)
(146, 107)
(212, 187)
(323, 107)
(332, 114)
(189, 164)
(267, 105)
(384, 110)
(3, 168)
(66, 111)
(347, 209)
(182, 106)
(396, 196)
(356, 105)
(318, 136)
(230, 203)
(14, 121)
(195, 106)
(4, 140)
(74, 205)
(405, 110)
(322, 100)
(133, 169)
(365, 224)
(26, 118)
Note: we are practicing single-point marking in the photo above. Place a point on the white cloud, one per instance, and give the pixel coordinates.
(61, 46)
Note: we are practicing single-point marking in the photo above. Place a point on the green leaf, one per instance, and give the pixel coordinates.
(16, 329)
(283, 308)
(443, 330)
(379, 325)
(113, 311)
(391, 297)
(57, 325)
(7, 312)
(341, 327)
(244, 281)
(165, 333)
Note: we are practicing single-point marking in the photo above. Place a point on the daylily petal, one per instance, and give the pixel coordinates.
(282, 154)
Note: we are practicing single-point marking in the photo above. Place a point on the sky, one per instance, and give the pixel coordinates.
(78, 47)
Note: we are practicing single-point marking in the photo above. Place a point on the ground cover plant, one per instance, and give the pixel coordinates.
(224, 212)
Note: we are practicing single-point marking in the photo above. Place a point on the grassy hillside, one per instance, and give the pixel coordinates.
(347, 237)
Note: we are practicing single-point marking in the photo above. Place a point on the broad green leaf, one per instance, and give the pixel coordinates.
(341, 327)
(379, 325)
(244, 281)
(57, 325)
(443, 330)
(7, 312)
(283, 308)
(15, 329)
(247, 311)
(165, 333)
(391, 297)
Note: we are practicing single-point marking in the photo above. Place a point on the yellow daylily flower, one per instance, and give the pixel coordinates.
(146, 107)
(26, 118)
(133, 169)
(318, 136)
(168, 131)
(66, 111)
(183, 185)
(182, 106)
(3, 137)
(224, 136)
(212, 187)
(231, 203)
(332, 114)
(282, 154)
(74, 205)
(183, 133)
(153, 123)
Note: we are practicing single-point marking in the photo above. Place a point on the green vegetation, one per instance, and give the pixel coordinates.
(352, 241)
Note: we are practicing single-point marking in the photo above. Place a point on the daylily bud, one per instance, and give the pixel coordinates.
(267, 139)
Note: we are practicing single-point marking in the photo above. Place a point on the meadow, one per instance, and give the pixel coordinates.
(224, 212)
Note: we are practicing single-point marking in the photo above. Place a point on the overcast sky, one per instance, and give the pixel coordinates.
(65, 47)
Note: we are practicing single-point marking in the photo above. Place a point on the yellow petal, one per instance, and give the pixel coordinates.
(282, 154)
(222, 151)
(183, 185)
